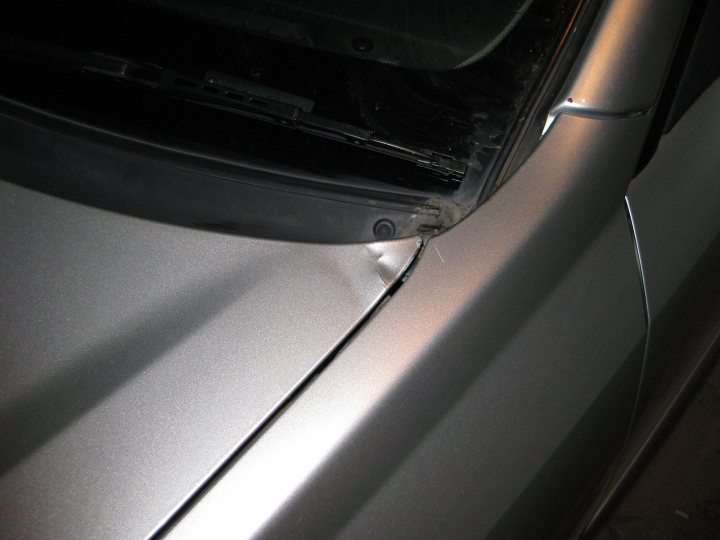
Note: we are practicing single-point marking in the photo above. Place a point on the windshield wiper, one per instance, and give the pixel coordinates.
(233, 95)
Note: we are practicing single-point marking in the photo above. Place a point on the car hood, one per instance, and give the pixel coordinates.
(137, 357)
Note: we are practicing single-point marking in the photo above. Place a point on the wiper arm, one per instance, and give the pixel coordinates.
(236, 96)
(289, 113)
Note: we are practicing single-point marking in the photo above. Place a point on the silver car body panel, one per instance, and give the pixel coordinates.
(510, 358)
(620, 69)
(137, 356)
(438, 416)
(675, 200)
(674, 204)
(462, 424)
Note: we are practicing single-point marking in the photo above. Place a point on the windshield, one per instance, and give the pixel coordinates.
(418, 34)
(416, 94)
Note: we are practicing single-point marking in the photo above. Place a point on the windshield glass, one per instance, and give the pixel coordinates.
(420, 94)
(418, 34)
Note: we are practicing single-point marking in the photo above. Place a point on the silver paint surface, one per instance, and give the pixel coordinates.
(466, 341)
(514, 327)
(620, 69)
(675, 207)
(137, 356)
(675, 200)
(450, 402)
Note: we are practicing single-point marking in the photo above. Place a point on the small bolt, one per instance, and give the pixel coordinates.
(384, 229)
(363, 44)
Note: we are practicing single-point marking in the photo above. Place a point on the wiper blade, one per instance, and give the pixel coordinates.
(288, 113)
(236, 96)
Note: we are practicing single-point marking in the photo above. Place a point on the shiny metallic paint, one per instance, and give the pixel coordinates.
(154, 352)
(467, 359)
(465, 397)
(444, 388)
(675, 200)
(675, 208)
(620, 69)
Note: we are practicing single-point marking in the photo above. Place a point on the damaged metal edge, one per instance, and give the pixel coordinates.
(588, 112)
(595, 88)
(392, 260)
